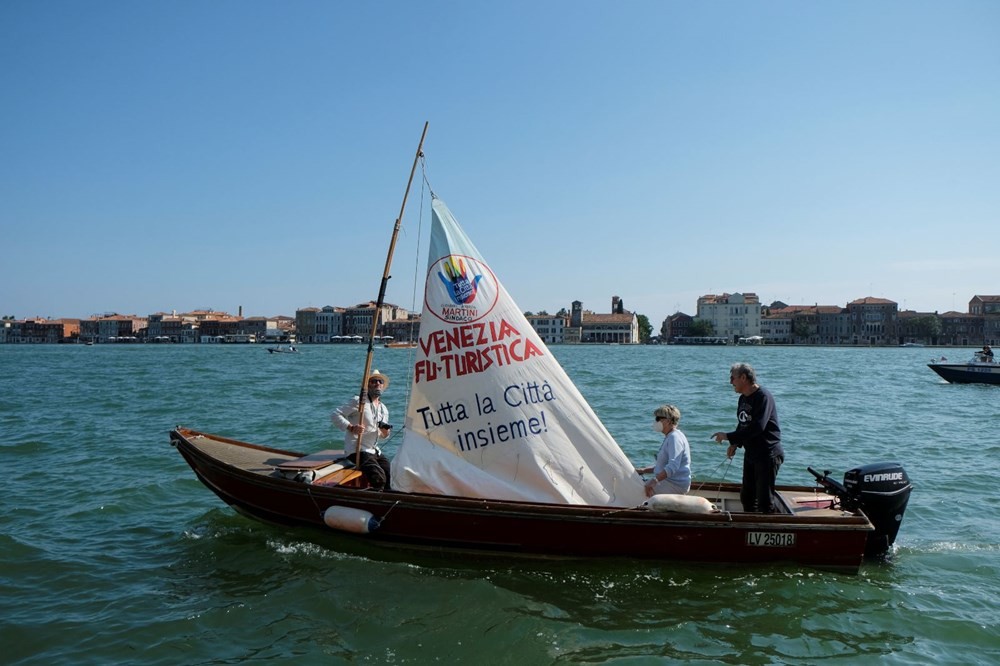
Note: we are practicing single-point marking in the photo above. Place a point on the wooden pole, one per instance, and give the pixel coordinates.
(363, 393)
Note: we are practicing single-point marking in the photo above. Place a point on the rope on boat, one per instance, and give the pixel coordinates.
(322, 512)
(728, 462)
(315, 503)
(388, 511)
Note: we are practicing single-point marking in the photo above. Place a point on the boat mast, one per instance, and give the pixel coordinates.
(363, 393)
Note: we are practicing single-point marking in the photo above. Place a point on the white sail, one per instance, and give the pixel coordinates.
(492, 414)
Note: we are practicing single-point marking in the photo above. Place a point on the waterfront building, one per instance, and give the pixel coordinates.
(989, 308)
(220, 329)
(776, 327)
(677, 325)
(550, 328)
(571, 334)
(267, 329)
(833, 325)
(39, 331)
(733, 316)
(961, 328)
(284, 330)
(403, 330)
(922, 328)
(113, 327)
(329, 323)
(319, 325)
(357, 319)
(984, 305)
(874, 321)
(197, 326)
(806, 324)
(171, 327)
(305, 325)
(618, 327)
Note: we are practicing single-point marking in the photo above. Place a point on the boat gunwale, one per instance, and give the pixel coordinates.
(513, 508)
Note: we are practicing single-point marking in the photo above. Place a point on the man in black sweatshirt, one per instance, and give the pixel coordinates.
(758, 432)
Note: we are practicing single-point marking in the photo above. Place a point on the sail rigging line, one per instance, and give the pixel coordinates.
(427, 183)
(363, 393)
(412, 351)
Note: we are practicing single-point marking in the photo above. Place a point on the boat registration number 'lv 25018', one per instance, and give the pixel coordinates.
(771, 539)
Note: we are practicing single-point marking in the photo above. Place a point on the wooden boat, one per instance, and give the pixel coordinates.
(977, 370)
(276, 486)
(501, 452)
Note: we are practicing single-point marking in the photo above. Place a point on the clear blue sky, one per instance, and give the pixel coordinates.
(160, 156)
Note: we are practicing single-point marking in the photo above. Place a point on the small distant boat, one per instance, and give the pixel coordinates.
(977, 370)
(400, 345)
(290, 349)
(912, 344)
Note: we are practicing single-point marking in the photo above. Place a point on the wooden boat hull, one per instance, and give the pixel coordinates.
(811, 533)
(967, 373)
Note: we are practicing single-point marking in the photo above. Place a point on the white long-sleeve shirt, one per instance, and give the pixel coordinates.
(347, 415)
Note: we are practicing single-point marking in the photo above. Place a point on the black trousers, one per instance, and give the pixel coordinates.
(375, 469)
(757, 493)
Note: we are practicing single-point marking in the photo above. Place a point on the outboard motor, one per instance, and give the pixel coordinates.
(881, 491)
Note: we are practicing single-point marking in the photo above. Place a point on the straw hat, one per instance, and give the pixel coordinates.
(375, 374)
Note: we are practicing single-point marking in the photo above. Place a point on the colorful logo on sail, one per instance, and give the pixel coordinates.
(460, 289)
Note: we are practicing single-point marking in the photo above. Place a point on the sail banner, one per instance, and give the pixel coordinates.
(492, 414)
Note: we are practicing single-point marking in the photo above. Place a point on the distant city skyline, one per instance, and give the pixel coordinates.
(963, 308)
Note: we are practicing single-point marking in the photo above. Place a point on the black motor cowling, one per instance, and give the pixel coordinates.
(881, 491)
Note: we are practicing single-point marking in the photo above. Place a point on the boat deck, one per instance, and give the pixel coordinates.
(815, 503)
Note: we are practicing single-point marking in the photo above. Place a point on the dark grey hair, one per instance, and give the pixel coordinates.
(744, 369)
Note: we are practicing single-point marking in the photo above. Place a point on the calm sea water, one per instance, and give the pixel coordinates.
(112, 552)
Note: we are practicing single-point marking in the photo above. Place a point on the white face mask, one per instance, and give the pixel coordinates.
(657, 426)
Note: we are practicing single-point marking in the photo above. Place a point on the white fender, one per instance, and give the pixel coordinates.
(347, 519)
(679, 504)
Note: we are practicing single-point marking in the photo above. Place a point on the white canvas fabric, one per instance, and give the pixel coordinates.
(492, 414)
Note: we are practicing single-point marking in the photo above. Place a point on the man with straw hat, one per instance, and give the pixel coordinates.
(372, 424)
